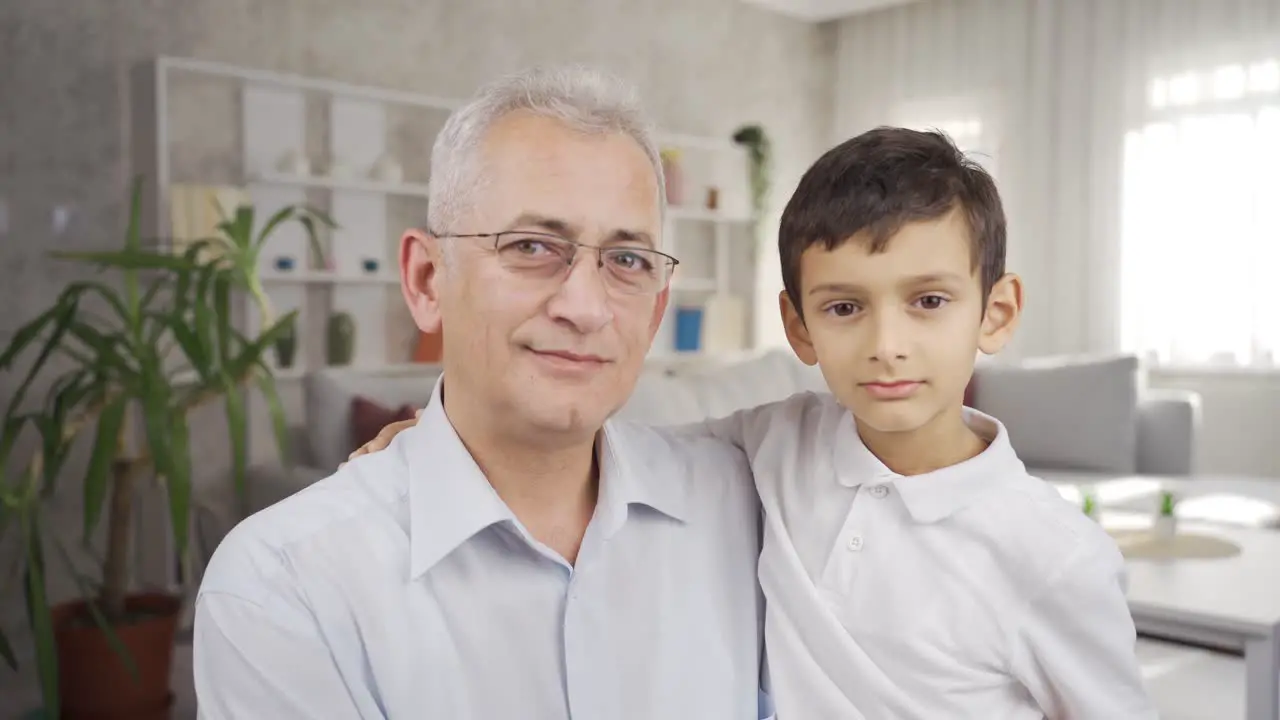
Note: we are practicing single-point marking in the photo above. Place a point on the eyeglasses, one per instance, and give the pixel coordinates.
(543, 256)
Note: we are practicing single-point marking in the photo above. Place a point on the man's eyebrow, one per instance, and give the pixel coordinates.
(631, 237)
(556, 226)
(570, 231)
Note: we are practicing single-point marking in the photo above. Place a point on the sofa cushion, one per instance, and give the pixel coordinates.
(1064, 413)
(328, 397)
(369, 417)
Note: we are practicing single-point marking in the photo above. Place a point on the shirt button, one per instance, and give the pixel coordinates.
(879, 491)
(855, 543)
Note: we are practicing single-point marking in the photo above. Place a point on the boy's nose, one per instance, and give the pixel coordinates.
(888, 341)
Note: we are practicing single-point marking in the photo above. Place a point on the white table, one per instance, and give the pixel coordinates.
(1232, 602)
(1229, 499)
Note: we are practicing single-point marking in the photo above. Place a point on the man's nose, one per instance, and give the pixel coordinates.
(889, 333)
(583, 299)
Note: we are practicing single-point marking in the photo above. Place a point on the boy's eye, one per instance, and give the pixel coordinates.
(842, 309)
(931, 302)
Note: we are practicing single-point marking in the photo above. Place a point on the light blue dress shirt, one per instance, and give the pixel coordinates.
(402, 587)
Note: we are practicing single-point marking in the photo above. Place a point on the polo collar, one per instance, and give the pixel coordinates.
(936, 495)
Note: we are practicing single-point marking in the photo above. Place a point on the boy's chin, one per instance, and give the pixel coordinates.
(892, 417)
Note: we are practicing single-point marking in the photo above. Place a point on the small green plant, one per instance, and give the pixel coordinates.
(760, 159)
(1167, 504)
(1090, 505)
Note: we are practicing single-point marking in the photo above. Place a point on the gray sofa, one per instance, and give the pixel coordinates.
(1070, 419)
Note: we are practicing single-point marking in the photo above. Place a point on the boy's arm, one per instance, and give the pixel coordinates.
(1075, 648)
(733, 429)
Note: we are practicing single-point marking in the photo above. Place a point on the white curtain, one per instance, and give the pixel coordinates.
(1137, 147)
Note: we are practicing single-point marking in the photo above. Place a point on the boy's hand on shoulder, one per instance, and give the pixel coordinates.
(384, 437)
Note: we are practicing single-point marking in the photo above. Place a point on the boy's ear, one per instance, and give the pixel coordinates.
(797, 333)
(1004, 310)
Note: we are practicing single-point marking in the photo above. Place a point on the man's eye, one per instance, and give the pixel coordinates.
(842, 309)
(932, 302)
(630, 261)
(528, 246)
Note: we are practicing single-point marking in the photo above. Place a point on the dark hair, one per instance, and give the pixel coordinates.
(881, 180)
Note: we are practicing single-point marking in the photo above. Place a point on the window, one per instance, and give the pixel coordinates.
(1200, 253)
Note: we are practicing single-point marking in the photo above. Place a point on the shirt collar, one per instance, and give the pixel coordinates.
(637, 469)
(939, 494)
(450, 499)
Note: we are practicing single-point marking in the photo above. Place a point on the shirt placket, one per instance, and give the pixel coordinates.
(849, 551)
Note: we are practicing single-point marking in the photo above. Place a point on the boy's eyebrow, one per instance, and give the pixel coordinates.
(927, 279)
(933, 278)
(835, 288)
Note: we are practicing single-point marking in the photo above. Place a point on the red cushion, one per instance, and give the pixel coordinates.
(369, 417)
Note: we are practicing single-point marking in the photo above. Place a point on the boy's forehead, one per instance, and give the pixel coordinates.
(934, 247)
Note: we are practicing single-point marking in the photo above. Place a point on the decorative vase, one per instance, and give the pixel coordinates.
(1166, 526)
(673, 174)
(286, 346)
(341, 339)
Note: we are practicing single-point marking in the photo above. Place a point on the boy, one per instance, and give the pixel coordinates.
(911, 566)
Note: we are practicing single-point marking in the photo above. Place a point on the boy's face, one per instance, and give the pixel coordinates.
(896, 333)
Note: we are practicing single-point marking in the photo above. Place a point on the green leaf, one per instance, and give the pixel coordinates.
(61, 320)
(267, 384)
(178, 480)
(222, 311)
(38, 614)
(156, 418)
(105, 447)
(238, 427)
(27, 334)
(6, 652)
(239, 229)
(280, 216)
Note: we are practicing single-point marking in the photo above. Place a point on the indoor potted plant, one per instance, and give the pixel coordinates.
(130, 371)
(1166, 523)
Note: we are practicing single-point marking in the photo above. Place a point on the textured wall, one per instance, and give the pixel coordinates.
(704, 66)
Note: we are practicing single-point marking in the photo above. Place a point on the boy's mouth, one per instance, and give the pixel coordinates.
(892, 389)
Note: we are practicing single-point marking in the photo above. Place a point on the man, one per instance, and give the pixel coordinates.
(516, 553)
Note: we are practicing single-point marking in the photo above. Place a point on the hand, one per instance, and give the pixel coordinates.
(384, 436)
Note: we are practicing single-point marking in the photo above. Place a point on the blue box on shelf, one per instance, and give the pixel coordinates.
(688, 329)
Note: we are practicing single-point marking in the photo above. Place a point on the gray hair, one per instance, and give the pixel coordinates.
(585, 99)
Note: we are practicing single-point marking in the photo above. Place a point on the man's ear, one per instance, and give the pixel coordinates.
(421, 265)
(797, 333)
(1004, 310)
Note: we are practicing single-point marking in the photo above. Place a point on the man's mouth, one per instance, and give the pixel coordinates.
(568, 356)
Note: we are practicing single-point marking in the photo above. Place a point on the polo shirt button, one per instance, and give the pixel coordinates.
(879, 491)
(855, 543)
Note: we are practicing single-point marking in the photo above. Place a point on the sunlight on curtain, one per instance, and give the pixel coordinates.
(1201, 220)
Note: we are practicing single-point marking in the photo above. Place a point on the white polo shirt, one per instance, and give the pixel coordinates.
(403, 587)
(974, 591)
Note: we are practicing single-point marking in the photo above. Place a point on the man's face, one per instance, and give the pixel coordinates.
(896, 333)
(547, 355)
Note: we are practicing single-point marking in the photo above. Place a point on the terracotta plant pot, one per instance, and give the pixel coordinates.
(93, 681)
